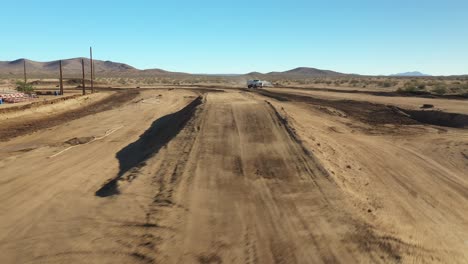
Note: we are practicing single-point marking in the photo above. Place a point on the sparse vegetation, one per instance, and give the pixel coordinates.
(440, 89)
(387, 84)
(24, 87)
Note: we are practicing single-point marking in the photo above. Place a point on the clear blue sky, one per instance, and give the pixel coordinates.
(208, 36)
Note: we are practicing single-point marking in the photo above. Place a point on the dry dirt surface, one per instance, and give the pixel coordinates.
(193, 176)
(40, 115)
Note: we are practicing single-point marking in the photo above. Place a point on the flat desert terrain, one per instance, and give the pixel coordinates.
(218, 175)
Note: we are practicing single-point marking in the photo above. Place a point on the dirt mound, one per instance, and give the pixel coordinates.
(363, 111)
(439, 118)
(36, 104)
(422, 94)
(78, 141)
(375, 114)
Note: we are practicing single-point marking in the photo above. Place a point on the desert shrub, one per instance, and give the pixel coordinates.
(460, 88)
(440, 90)
(122, 81)
(408, 89)
(24, 87)
(387, 84)
(413, 86)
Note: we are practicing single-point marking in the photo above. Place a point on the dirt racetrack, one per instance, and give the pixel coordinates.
(185, 176)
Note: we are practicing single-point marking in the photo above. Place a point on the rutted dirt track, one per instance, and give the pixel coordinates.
(249, 194)
(172, 177)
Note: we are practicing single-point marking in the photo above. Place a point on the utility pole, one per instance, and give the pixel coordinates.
(61, 78)
(82, 68)
(24, 66)
(92, 73)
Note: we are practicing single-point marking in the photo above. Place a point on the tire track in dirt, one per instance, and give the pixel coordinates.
(233, 183)
(250, 191)
(159, 157)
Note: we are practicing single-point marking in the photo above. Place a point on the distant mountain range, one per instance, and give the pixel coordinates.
(301, 72)
(305, 71)
(410, 74)
(72, 68)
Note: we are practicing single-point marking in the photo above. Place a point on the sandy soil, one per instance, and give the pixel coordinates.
(48, 105)
(181, 176)
(49, 213)
(47, 114)
(409, 181)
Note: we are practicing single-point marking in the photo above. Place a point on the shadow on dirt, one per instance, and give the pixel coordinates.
(421, 94)
(150, 142)
(439, 118)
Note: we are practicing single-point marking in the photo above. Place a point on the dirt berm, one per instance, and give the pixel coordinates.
(22, 127)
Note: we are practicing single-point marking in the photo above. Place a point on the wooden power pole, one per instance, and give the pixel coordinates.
(24, 66)
(83, 84)
(92, 72)
(61, 78)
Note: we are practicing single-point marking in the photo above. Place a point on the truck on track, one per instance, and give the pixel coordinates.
(257, 84)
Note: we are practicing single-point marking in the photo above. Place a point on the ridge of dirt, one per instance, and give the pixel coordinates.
(363, 111)
(8, 132)
(37, 104)
(295, 137)
(374, 114)
(78, 140)
(438, 118)
(380, 245)
(194, 88)
(382, 93)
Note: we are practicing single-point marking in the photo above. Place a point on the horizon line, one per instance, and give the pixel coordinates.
(244, 73)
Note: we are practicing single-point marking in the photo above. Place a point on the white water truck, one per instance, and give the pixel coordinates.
(257, 84)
